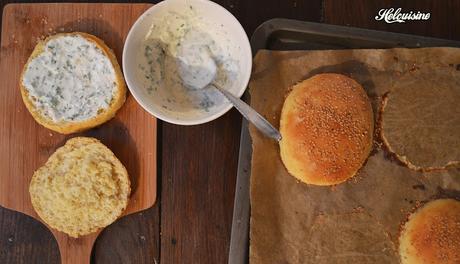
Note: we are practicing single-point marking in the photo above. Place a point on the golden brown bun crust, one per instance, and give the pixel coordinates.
(327, 126)
(73, 127)
(81, 188)
(432, 234)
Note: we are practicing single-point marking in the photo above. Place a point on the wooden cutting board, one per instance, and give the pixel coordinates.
(25, 145)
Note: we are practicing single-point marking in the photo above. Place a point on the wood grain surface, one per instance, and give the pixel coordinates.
(197, 165)
(26, 146)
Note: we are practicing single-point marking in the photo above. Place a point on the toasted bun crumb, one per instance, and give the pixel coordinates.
(81, 188)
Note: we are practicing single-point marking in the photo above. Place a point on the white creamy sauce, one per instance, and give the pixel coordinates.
(71, 80)
(178, 43)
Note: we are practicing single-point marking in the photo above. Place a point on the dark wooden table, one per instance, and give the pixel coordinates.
(191, 221)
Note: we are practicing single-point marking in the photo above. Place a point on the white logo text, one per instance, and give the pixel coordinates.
(392, 15)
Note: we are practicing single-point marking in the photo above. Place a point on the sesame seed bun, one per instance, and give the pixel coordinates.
(327, 125)
(432, 234)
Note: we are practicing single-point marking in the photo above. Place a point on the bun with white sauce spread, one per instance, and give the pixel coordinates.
(72, 82)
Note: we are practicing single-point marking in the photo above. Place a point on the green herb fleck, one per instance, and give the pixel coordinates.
(68, 64)
(54, 101)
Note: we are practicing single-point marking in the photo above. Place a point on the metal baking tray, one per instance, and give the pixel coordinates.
(286, 34)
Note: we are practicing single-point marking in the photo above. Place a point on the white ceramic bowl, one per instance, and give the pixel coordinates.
(214, 14)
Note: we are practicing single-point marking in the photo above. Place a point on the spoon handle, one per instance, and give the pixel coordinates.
(250, 114)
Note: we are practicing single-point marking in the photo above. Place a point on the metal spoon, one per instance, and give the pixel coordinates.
(206, 72)
(250, 114)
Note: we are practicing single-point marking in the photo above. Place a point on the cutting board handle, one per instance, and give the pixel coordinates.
(75, 250)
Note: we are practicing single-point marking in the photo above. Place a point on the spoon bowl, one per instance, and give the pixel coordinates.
(198, 72)
(203, 76)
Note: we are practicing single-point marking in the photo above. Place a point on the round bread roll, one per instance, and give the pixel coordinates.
(327, 125)
(72, 82)
(432, 234)
(81, 188)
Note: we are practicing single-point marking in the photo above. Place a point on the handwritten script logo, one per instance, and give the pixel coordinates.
(392, 15)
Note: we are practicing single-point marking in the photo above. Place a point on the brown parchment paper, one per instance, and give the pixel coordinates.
(357, 221)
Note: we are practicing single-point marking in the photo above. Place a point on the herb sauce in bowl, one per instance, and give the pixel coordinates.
(201, 36)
